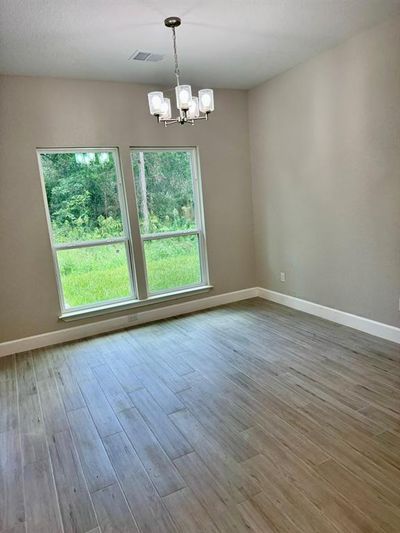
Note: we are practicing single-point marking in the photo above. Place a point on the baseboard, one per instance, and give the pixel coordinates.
(366, 325)
(379, 329)
(128, 320)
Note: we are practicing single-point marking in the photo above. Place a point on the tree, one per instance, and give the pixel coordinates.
(143, 193)
(82, 194)
(169, 189)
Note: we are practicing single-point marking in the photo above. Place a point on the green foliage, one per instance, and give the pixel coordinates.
(95, 274)
(172, 263)
(99, 273)
(81, 194)
(169, 190)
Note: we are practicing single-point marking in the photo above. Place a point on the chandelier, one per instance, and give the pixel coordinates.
(191, 108)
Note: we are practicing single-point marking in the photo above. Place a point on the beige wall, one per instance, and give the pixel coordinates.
(40, 112)
(325, 153)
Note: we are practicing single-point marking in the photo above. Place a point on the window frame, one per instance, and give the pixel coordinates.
(136, 262)
(199, 230)
(125, 238)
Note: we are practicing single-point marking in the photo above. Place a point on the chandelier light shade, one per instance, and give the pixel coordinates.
(191, 108)
(193, 111)
(183, 97)
(206, 100)
(166, 113)
(156, 101)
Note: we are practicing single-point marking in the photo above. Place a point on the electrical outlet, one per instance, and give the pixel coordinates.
(283, 276)
(132, 318)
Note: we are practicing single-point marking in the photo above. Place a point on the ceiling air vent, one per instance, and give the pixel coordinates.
(139, 55)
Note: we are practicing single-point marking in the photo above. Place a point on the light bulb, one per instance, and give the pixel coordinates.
(166, 109)
(157, 103)
(184, 96)
(193, 111)
(206, 100)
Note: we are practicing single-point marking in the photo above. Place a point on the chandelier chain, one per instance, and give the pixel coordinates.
(177, 72)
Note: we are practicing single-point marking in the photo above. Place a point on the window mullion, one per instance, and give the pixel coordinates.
(199, 215)
(121, 185)
(137, 253)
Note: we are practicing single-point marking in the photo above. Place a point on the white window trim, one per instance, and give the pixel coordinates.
(133, 300)
(168, 234)
(199, 230)
(125, 238)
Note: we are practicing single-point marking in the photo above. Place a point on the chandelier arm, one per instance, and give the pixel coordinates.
(202, 117)
(182, 119)
(168, 121)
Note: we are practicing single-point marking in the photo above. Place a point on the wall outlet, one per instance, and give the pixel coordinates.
(283, 276)
(132, 318)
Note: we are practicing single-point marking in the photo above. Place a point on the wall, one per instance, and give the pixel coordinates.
(44, 112)
(325, 160)
(325, 154)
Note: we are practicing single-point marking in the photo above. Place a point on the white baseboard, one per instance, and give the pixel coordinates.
(379, 329)
(132, 319)
(366, 325)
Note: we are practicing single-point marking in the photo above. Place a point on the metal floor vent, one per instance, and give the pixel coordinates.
(139, 55)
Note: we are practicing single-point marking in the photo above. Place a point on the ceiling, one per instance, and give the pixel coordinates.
(222, 43)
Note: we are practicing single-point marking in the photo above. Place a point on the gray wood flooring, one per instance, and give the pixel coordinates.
(246, 418)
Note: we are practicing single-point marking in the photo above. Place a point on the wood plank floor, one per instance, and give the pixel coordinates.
(246, 418)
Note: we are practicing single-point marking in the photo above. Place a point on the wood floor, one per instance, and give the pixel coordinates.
(247, 418)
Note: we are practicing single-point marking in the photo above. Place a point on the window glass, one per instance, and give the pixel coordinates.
(168, 199)
(164, 190)
(94, 274)
(96, 263)
(84, 206)
(82, 195)
(173, 262)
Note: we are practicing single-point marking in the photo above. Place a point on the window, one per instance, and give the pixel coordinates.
(90, 229)
(90, 235)
(170, 218)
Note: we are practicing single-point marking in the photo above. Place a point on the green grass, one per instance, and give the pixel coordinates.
(98, 274)
(172, 263)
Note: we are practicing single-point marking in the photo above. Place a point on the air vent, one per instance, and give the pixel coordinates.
(139, 55)
(155, 58)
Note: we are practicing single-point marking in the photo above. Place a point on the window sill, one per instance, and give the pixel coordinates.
(131, 304)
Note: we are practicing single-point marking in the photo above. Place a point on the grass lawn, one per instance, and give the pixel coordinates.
(100, 273)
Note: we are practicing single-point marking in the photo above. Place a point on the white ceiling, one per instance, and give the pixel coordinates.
(222, 43)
